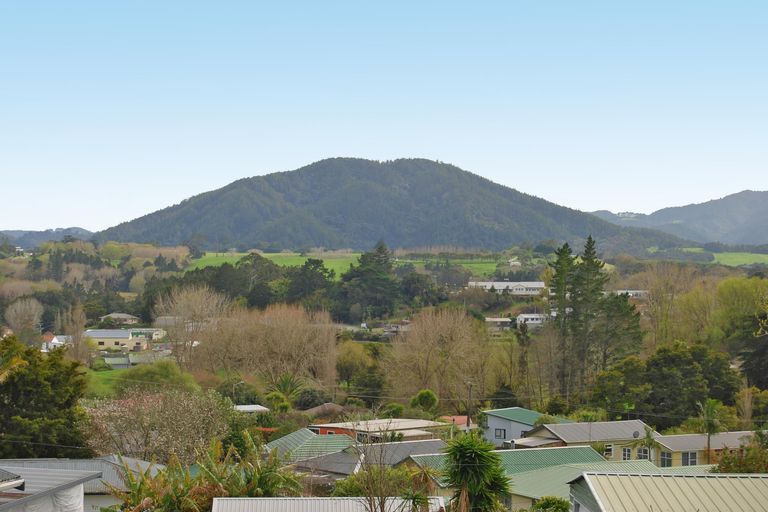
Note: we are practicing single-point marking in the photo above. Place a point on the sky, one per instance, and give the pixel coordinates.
(111, 110)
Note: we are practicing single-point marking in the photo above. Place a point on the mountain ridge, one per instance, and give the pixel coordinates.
(353, 203)
(736, 218)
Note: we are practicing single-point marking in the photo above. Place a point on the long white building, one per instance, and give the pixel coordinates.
(520, 289)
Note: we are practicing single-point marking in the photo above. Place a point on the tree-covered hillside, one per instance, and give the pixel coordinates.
(346, 202)
(734, 219)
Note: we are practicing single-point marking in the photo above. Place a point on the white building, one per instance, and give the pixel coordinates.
(518, 289)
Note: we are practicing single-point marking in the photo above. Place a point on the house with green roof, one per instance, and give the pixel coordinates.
(504, 425)
(305, 444)
(513, 461)
(529, 486)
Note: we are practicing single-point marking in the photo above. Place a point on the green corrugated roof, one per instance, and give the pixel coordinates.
(701, 469)
(553, 481)
(287, 444)
(520, 415)
(320, 445)
(305, 444)
(517, 461)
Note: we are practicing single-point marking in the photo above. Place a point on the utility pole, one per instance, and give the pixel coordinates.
(469, 406)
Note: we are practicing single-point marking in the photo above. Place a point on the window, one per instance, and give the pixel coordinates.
(500, 433)
(608, 451)
(642, 453)
(626, 453)
(666, 459)
(689, 459)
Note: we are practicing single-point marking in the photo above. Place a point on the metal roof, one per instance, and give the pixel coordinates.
(305, 444)
(696, 442)
(109, 333)
(587, 432)
(7, 475)
(519, 415)
(699, 469)
(678, 493)
(110, 468)
(313, 504)
(553, 481)
(517, 461)
(381, 425)
(251, 408)
(39, 483)
(347, 462)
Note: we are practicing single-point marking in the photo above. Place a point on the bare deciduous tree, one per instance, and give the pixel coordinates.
(73, 324)
(23, 317)
(191, 315)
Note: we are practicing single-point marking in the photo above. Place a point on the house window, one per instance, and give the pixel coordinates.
(642, 453)
(101, 343)
(500, 433)
(666, 459)
(626, 453)
(608, 451)
(689, 459)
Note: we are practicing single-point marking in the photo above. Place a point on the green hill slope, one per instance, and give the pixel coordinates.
(734, 219)
(346, 202)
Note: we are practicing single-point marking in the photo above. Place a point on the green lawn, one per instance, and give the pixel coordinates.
(480, 267)
(734, 259)
(339, 263)
(102, 384)
(215, 259)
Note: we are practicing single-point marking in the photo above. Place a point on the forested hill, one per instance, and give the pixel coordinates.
(31, 239)
(346, 202)
(734, 219)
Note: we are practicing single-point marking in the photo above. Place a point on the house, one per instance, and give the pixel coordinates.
(691, 449)
(462, 423)
(328, 468)
(532, 319)
(632, 294)
(504, 425)
(43, 489)
(96, 494)
(120, 318)
(496, 324)
(530, 486)
(400, 429)
(134, 340)
(305, 444)
(356, 504)
(518, 289)
(615, 492)
(512, 461)
(616, 437)
(52, 341)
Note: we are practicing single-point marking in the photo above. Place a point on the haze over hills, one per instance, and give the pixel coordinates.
(353, 203)
(734, 219)
(31, 239)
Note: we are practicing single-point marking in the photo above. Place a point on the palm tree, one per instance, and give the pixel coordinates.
(474, 470)
(648, 441)
(710, 414)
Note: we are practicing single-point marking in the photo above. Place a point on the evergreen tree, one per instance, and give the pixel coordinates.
(475, 472)
(371, 283)
(561, 286)
(39, 413)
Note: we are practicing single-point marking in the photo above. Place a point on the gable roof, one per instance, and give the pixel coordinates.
(520, 415)
(348, 461)
(614, 492)
(39, 483)
(587, 432)
(381, 425)
(517, 461)
(697, 442)
(553, 481)
(122, 334)
(10, 480)
(305, 444)
(313, 504)
(110, 468)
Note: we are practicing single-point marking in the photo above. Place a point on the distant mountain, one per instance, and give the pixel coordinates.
(353, 203)
(735, 219)
(32, 239)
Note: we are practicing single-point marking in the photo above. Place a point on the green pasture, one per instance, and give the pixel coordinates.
(102, 384)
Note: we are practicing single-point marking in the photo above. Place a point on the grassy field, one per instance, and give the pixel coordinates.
(480, 268)
(735, 259)
(215, 259)
(338, 262)
(102, 384)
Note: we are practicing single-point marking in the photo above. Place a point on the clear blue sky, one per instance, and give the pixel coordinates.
(109, 110)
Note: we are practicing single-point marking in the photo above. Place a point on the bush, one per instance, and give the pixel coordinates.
(551, 504)
(393, 410)
(311, 397)
(426, 400)
(99, 365)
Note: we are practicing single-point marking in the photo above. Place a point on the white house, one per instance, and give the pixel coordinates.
(519, 289)
(532, 319)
